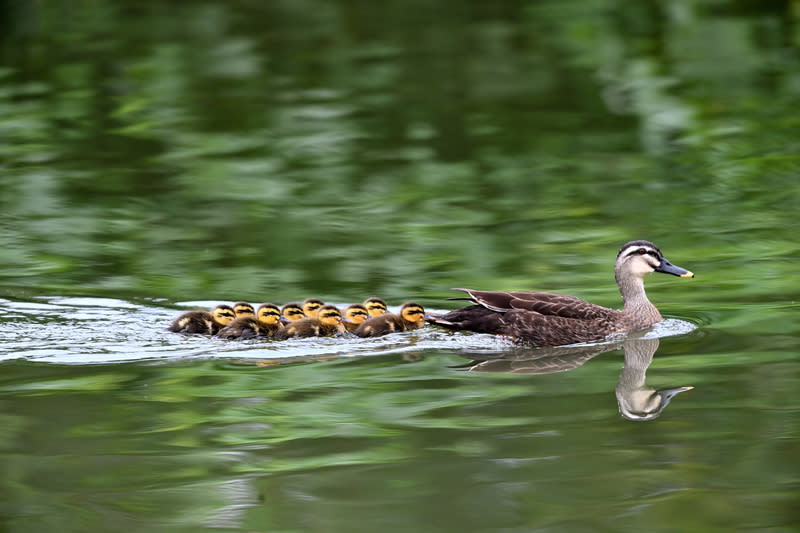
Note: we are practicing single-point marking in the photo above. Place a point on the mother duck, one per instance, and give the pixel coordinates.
(548, 319)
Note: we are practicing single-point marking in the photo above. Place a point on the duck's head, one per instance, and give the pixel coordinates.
(412, 312)
(268, 314)
(292, 312)
(375, 306)
(311, 306)
(223, 314)
(640, 258)
(243, 309)
(356, 314)
(329, 315)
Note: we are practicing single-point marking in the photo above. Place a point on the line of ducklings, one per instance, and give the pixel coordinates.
(312, 318)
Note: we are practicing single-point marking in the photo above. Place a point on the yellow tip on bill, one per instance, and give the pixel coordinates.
(689, 274)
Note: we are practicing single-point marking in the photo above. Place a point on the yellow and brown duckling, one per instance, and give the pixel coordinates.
(265, 322)
(354, 316)
(327, 323)
(243, 309)
(311, 306)
(410, 317)
(376, 306)
(200, 321)
(293, 312)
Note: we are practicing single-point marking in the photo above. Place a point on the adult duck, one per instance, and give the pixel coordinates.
(548, 319)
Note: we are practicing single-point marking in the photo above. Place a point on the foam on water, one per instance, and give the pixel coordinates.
(66, 330)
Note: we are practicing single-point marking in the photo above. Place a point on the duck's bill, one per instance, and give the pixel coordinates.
(668, 394)
(668, 268)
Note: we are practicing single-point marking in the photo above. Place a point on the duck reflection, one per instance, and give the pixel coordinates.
(635, 399)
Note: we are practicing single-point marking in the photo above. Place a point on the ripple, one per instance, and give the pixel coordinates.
(105, 330)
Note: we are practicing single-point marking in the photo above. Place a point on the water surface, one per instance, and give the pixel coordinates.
(156, 158)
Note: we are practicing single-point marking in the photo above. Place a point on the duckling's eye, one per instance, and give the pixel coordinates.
(641, 251)
(330, 315)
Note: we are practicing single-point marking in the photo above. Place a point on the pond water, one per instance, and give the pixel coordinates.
(154, 159)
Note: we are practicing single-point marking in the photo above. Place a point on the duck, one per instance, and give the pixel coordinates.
(376, 306)
(243, 309)
(292, 312)
(311, 306)
(411, 316)
(551, 319)
(354, 315)
(328, 323)
(201, 321)
(264, 323)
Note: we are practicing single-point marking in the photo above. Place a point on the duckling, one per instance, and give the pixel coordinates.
(292, 312)
(376, 306)
(411, 316)
(201, 321)
(265, 322)
(243, 309)
(548, 319)
(311, 306)
(329, 323)
(354, 315)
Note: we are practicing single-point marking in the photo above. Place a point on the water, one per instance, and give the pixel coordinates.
(154, 160)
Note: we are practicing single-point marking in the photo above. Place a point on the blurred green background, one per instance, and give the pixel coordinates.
(339, 149)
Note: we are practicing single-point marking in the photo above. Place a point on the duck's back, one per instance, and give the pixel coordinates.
(307, 327)
(545, 303)
(245, 327)
(192, 322)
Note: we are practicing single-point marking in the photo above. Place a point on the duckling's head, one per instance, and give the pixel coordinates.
(356, 313)
(243, 309)
(375, 306)
(329, 315)
(268, 314)
(412, 312)
(292, 312)
(223, 314)
(639, 258)
(311, 306)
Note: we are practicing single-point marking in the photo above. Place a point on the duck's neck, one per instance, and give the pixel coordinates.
(635, 300)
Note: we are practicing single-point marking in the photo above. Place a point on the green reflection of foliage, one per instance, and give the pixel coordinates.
(212, 159)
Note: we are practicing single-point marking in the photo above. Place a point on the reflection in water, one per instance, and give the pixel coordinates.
(635, 399)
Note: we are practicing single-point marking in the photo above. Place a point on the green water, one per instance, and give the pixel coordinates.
(157, 156)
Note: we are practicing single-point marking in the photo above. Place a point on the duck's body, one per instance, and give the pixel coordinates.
(410, 317)
(311, 307)
(265, 323)
(354, 316)
(328, 323)
(548, 319)
(376, 306)
(208, 322)
(293, 312)
(243, 309)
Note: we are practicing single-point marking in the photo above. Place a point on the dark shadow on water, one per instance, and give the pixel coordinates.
(635, 399)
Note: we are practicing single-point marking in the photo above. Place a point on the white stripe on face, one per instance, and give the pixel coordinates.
(634, 250)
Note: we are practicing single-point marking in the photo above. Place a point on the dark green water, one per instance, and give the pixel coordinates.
(153, 156)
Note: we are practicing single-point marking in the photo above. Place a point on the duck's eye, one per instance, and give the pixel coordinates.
(641, 251)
